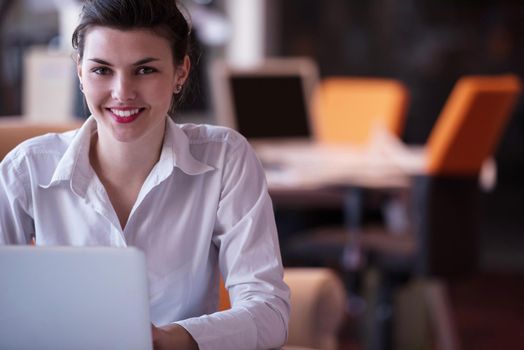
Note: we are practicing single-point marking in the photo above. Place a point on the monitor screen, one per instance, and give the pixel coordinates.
(270, 106)
(266, 101)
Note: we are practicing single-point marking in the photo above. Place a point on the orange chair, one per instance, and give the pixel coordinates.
(471, 124)
(445, 199)
(345, 110)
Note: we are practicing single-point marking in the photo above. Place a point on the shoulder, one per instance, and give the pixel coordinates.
(48, 144)
(219, 146)
(212, 134)
(47, 149)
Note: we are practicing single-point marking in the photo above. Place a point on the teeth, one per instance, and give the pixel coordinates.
(126, 113)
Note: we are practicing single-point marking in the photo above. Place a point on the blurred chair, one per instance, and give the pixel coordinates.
(445, 210)
(318, 302)
(445, 207)
(471, 124)
(349, 110)
(445, 197)
(346, 110)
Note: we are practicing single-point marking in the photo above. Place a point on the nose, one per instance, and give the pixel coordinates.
(123, 88)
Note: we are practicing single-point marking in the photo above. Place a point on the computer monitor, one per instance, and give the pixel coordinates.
(269, 100)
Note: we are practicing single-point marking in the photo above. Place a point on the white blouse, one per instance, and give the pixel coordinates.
(204, 208)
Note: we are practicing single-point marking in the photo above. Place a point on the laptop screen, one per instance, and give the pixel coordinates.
(270, 106)
(266, 101)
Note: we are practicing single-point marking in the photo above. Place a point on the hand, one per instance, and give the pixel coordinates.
(172, 337)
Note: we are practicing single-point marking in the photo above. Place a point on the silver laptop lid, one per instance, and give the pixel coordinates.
(73, 298)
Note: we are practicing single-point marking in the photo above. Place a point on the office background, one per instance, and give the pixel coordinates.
(427, 45)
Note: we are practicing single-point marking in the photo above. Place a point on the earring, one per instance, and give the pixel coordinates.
(81, 87)
(178, 88)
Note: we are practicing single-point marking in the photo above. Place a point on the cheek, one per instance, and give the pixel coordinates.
(95, 90)
(92, 95)
(159, 93)
(94, 98)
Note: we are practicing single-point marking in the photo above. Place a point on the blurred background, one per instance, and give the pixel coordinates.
(426, 44)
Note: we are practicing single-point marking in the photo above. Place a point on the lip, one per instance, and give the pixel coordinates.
(124, 119)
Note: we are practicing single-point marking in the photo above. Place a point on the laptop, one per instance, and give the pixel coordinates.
(269, 100)
(73, 298)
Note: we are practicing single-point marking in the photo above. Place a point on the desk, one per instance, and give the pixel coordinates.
(302, 174)
(304, 165)
(305, 171)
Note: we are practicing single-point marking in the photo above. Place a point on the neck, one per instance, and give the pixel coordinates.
(124, 162)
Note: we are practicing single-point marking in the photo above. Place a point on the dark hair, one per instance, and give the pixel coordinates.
(161, 16)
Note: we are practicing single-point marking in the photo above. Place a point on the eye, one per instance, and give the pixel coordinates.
(145, 70)
(101, 70)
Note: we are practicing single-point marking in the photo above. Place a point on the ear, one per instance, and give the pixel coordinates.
(182, 72)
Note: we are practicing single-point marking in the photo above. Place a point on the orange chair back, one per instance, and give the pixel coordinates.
(471, 124)
(345, 110)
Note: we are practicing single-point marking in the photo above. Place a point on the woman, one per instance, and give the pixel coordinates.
(193, 198)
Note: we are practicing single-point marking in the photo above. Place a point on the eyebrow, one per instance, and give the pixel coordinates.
(137, 63)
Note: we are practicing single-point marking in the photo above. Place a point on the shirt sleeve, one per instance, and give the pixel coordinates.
(16, 224)
(249, 260)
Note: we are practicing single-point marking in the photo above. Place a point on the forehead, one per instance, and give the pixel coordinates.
(119, 44)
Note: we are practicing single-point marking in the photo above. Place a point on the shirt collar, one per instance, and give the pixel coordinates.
(74, 163)
(75, 166)
(177, 143)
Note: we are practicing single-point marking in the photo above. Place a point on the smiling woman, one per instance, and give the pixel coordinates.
(192, 197)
